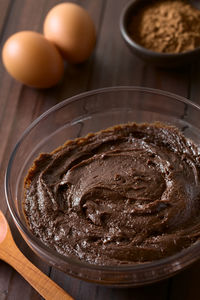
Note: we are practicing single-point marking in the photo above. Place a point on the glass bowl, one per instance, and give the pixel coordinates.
(90, 112)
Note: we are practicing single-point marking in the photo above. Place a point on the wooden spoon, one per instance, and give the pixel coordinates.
(10, 253)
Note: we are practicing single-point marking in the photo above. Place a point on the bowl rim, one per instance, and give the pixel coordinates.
(126, 36)
(60, 259)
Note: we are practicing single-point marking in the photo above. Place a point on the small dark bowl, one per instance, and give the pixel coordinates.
(171, 60)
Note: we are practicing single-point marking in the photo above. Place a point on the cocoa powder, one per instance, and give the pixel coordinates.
(168, 26)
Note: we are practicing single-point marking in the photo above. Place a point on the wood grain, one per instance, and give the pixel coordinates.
(111, 64)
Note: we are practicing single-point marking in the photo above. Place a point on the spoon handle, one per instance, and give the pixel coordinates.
(42, 283)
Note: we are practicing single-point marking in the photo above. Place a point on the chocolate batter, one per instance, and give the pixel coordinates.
(125, 195)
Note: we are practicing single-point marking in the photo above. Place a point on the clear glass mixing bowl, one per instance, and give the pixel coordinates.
(75, 117)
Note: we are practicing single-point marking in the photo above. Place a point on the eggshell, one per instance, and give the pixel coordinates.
(32, 59)
(71, 29)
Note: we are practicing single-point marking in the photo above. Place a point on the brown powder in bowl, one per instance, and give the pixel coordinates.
(168, 26)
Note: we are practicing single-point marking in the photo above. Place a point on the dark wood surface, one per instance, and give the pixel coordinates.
(111, 64)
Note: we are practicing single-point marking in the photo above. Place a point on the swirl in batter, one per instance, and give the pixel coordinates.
(125, 195)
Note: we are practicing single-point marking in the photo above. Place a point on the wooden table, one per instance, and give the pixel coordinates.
(111, 64)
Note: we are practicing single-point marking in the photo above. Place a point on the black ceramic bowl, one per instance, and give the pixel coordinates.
(156, 58)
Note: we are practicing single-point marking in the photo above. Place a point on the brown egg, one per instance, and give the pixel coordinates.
(32, 59)
(72, 30)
